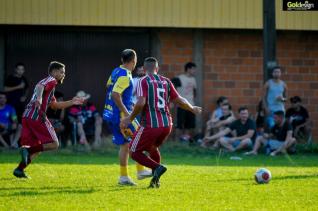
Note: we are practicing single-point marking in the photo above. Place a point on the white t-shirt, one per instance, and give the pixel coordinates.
(188, 84)
(135, 82)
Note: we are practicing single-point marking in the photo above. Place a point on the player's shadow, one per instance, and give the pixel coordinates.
(276, 178)
(28, 191)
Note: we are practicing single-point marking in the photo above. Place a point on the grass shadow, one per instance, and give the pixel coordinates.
(27, 191)
(288, 177)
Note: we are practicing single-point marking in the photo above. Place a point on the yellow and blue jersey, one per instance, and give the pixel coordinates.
(120, 81)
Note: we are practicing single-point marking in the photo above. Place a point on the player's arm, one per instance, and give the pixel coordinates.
(65, 104)
(140, 104)
(184, 104)
(119, 87)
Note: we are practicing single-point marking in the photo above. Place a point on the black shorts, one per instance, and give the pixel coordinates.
(185, 119)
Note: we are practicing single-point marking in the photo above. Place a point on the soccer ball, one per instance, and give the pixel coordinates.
(262, 176)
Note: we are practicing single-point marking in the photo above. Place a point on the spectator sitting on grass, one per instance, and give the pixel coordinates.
(215, 117)
(243, 131)
(298, 117)
(279, 139)
(9, 129)
(224, 121)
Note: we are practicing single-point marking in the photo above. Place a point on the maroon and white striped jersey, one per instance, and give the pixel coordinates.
(31, 111)
(158, 91)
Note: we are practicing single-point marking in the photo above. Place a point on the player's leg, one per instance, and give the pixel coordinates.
(130, 133)
(144, 141)
(37, 137)
(160, 170)
(123, 154)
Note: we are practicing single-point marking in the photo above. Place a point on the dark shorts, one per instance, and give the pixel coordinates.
(185, 119)
(36, 132)
(148, 138)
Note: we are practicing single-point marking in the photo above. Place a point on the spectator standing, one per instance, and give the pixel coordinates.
(187, 89)
(275, 93)
(17, 87)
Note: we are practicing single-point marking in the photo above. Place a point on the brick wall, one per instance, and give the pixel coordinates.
(233, 65)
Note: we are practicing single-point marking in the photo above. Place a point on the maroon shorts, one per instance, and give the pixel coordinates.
(148, 138)
(35, 132)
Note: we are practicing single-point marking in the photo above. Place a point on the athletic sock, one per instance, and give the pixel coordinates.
(141, 158)
(22, 165)
(123, 170)
(139, 167)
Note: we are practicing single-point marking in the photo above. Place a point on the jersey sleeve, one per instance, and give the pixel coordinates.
(142, 89)
(173, 92)
(121, 84)
(109, 81)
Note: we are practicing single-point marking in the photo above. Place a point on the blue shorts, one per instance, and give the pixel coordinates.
(236, 143)
(274, 144)
(121, 137)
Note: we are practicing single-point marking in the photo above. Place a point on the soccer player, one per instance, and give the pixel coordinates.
(118, 103)
(37, 132)
(154, 93)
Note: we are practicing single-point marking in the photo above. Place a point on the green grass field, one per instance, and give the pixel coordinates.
(196, 180)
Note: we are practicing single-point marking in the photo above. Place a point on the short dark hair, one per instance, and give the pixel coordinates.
(151, 60)
(276, 67)
(150, 63)
(279, 113)
(54, 65)
(242, 108)
(128, 55)
(220, 99)
(189, 65)
(19, 64)
(229, 105)
(295, 99)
